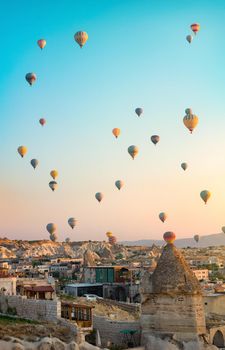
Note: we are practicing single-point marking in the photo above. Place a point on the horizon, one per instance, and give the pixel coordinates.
(136, 56)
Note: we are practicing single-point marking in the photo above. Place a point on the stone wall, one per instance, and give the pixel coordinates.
(131, 308)
(34, 309)
(110, 331)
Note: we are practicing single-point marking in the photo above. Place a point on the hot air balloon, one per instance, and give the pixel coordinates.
(163, 216)
(31, 78)
(189, 38)
(41, 43)
(116, 132)
(72, 222)
(169, 237)
(205, 195)
(155, 139)
(67, 240)
(99, 196)
(190, 121)
(188, 111)
(22, 150)
(195, 27)
(42, 121)
(184, 166)
(53, 185)
(223, 229)
(109, 234)
(53, 237)
(34, 163)
(119, 184)
(81, 38)
(139, 111)
(133, 151)
(51, 228)
(196, 238)
(54, 174)
(112, 240)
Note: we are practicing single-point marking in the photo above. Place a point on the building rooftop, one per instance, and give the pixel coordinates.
(173, 275)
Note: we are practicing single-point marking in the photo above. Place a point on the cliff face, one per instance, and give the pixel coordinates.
(26, 249)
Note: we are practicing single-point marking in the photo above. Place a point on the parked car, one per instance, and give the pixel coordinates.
(92, 297)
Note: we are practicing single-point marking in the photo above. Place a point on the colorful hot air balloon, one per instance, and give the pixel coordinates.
(72, 222)
(109, 234)
(51, 228)
(34, 163)
(163, 216)
(54, 174)
(133, 151)
(99, 196)
(53, 185)
(119, 184)
(169, 237)
(190, 121)
(195, 27)
(205, 195)
(22, 150)
(42, 121)
(31, 78)
(196, 238)
(155, 139)
(189, 38)
(53, 237)
(41, 43)
(81, 38)
(184, 166)
(139, 111)
(112, 240)
(223, 229)
(116, 132)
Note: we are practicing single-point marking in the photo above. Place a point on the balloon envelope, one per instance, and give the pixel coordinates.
(99, 196)
(112, 240)
(31, 78)
(195, 27)
(205, 195)
(22, 150)
(116, 132)
(72, 222)
(109, 234)
(81, 38)
(196, 238)
(41, 43)
(119, 184)
(34, 163)
(133, 151)
(155, 139)
(189, 38)
(42, 121)
(53, 237)
(169, 237)
(139, 111)
(51, 228)
(53, 185)
(54, 174)
(184, 166)
(163, 216)
(190, 121)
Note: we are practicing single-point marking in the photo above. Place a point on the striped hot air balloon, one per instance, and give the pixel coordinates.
(81, 38)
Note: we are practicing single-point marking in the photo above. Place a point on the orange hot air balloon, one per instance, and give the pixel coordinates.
(190, 121)
(109, 234)
(195, 27)
(54, 174)
(81, 38)
(169, 237)
(41, 43)
(116, 132)
(22, 150)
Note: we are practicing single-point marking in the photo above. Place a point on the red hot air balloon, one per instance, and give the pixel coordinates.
(31, 78)
(195, 27)
(169, 237)
(42, 121)
(112, 240)
(41, 43)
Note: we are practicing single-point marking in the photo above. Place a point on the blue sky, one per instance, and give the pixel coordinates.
(136, 55)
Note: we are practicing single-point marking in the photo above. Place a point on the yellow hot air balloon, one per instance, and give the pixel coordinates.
(116, 132)
(205, 195)
(109, 234)
(81, 38)
(22, 150)
(190, 121)
(54, 174)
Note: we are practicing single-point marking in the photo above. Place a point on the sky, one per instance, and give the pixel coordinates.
(136, 56)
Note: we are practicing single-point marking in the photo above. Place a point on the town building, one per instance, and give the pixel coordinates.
(201, 274)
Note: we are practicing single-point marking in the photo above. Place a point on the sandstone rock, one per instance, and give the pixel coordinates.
(87, 346)
(18, 347)
(46, 344)
(58, 345)
(73, 346)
